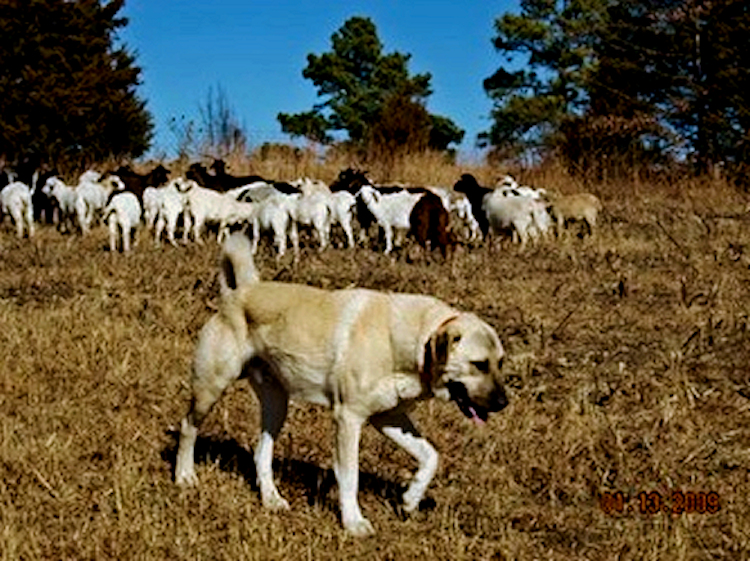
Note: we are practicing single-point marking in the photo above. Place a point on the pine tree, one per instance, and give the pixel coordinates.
(615, 85)
(67, 89)
(362, 85)
(531, 104)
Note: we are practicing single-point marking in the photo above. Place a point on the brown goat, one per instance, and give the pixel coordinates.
(583, 207)
(430, 224)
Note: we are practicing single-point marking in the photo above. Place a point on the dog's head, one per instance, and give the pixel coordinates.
(463, 359)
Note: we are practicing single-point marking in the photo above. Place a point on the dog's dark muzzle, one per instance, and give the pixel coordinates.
(496, 401)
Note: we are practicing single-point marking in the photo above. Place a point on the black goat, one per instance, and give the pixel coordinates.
(137, 183)
(351, 180)
(468, 185)
(232, 181)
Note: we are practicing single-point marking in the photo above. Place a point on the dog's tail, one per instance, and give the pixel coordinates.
(237, 265)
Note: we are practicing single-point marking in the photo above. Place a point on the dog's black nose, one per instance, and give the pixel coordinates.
(497, 400)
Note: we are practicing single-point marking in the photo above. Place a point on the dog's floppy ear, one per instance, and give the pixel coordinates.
(435, 357)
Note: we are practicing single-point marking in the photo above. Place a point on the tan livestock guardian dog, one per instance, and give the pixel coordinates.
(368, 355)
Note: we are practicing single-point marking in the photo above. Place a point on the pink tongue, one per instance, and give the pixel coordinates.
(475, 417)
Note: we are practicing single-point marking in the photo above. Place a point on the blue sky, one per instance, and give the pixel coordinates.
(255, 51)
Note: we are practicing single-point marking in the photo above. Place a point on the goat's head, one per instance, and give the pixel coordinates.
(184, 185)
(350, 180)
(507, 181)
(467, 184)
(52, 185)
(158, 176)
(113, 183)
(219, 166)
(197, 172)
(90, 176)
(124, 171)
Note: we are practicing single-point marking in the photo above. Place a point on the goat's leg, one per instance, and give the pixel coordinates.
(294, 236)
(126, 231)
(347, 226)
(30, 220)
(388, 239)
(112, 223)
(187, 225)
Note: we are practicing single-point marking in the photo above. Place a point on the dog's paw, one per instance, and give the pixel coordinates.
(360, 528)
(186, 478)
(411, 501)
(274, 501)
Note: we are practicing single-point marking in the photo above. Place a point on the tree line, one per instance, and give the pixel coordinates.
(617, 87)
(67, 90)
(611, 88)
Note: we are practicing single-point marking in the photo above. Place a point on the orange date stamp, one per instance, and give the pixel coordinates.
(654, 502)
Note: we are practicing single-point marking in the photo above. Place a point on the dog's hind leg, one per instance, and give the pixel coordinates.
(274, 401)
(218, 362)
(397, 426)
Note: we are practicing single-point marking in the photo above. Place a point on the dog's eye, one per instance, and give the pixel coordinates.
(482, 365)
(500, 364)
(456, 339)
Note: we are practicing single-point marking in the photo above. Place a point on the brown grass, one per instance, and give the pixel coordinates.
(628, 371)
(285, 163)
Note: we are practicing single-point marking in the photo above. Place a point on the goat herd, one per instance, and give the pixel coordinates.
(436, 217)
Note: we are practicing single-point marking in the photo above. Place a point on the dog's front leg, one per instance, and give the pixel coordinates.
(346, 467)
(397, 426)
(274, 401)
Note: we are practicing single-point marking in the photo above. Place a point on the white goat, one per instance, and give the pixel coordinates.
(206, 206)
(151, 202)
(311, 210)
(518, 213)
(391, 211)
(15, 199)
(248, 190)
(461, 208)
(66, 199)
(275, 213)
(540, 213)
(170, 203)
(91, 198)
(509, 187)
(235, 213)
(122, 214)
(310, 186)
(89, 176)
(341, 206)
(255, 192)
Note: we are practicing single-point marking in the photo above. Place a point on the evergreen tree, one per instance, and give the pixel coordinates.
(530, 105)
(361, 85)
(67, 90)
(613, 85)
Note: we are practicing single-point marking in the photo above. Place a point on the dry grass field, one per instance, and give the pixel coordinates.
(628, 370)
